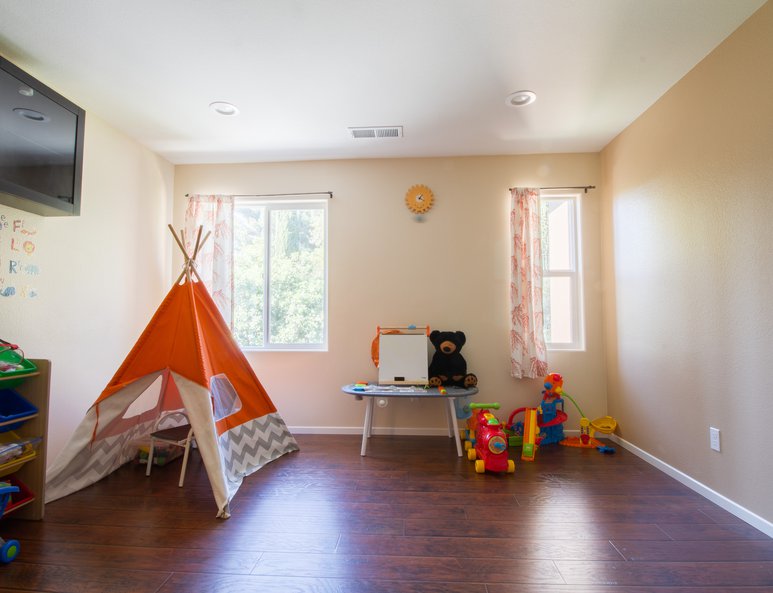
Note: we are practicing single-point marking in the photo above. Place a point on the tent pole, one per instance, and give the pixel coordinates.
(198, 242)
(190, 261)
(176, 238)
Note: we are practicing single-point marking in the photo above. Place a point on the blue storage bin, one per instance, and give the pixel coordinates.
(13, 406)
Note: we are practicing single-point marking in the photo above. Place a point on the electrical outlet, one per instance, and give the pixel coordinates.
(714, 438)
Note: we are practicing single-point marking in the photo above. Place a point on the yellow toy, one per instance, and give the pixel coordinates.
(530, 429)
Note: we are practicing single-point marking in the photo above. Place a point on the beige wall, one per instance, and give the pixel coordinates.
(687, 256)
(450, 272)
(102, 274)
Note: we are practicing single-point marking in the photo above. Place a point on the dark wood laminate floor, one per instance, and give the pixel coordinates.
(411, 517)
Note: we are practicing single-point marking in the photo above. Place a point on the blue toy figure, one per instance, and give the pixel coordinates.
(551, 427)
(551, 422)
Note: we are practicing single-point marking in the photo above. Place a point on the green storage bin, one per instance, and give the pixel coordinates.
(13, 368)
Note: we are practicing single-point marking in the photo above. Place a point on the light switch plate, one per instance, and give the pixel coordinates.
(714, 438)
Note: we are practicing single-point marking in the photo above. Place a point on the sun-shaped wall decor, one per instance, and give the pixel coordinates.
(419, 199)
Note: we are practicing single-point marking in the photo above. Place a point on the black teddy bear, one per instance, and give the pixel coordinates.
(448, 366)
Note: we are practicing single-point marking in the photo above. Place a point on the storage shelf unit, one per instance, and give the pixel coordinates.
(34, 387)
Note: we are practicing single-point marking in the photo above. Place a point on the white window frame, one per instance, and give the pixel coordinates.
(287, 204)
(573, 272)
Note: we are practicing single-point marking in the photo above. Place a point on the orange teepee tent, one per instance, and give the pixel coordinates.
(185, 359)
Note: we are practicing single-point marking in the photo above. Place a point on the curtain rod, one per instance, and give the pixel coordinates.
(582, 187)
(329, 194)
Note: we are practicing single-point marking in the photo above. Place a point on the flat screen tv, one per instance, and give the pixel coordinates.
(41, 146)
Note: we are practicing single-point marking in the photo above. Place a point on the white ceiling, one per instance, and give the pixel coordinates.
(303, 71)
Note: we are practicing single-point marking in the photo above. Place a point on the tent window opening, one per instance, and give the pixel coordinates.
(147, 401)
(225, 401)
(280, 274)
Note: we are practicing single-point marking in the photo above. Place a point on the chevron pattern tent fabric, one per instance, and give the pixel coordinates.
(94, 463)
(252, 445)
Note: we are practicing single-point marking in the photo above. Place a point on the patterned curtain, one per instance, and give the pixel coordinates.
(528, 356)
(214, 262)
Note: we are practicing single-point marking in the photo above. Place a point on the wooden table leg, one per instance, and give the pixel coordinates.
(368, 425)
(451, 414)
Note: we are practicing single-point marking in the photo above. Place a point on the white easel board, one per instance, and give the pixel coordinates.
(403, 359)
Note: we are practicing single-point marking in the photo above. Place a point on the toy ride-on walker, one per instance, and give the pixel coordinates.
(9, 549)
(489, 450)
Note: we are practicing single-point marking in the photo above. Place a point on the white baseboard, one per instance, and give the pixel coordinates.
(377, 430)
(720, 500)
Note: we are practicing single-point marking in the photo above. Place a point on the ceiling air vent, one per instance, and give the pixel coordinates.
(377, 132)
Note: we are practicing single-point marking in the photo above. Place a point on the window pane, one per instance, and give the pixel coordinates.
(248, 274)
(557, 305)
(297, 276)
(557, 225)
(562, 307)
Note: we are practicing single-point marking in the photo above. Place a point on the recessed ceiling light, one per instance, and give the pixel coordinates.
(224, 108)
(521, 98)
